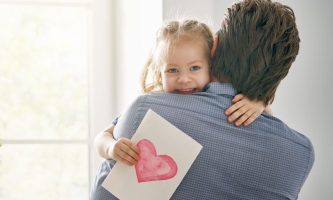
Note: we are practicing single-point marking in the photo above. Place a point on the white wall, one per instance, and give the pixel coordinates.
(303, 98)
(102, 111)
(136, 23)
(194, 9)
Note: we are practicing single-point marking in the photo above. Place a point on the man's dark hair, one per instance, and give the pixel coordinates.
(258, 42)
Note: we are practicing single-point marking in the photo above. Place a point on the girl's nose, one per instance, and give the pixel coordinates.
(184, 78)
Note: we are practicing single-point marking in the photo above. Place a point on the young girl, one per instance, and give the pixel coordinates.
(178, 63)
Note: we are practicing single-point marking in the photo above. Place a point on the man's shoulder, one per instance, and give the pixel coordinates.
(279, 128)
(302, 139)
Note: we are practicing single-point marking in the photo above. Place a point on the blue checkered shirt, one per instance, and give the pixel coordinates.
(265, 160)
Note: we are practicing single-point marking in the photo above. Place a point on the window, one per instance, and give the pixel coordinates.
(61, 64)
(44, 127)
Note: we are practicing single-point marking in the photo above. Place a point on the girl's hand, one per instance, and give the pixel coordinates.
(125, 151)
(244, 110)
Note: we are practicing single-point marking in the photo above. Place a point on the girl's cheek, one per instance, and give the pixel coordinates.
(164, 84)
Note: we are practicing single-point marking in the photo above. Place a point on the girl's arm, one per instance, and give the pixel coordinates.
(123, 149)
(245, 110)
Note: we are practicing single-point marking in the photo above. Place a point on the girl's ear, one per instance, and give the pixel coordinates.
(216, 41)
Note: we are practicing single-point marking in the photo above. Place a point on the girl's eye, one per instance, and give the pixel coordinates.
(172, 70)
(194, 68)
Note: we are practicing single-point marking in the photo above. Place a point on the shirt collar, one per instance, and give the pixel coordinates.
(220, 88)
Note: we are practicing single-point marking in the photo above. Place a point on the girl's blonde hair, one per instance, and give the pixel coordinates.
(170, 34)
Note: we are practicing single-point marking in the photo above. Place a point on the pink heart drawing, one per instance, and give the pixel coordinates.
(151, 167)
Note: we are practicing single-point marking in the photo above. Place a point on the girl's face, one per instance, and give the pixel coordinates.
(186, 70)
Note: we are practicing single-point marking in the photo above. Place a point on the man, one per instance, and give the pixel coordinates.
(252, 53)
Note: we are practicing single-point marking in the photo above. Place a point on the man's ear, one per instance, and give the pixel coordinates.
(216, 41)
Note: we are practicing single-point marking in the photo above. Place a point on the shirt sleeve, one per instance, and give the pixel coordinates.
(115, 121)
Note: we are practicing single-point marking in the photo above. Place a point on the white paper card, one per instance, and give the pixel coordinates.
(155, 176)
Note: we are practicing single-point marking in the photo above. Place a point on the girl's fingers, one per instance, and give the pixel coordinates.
(234, 108)
(251, 119)
(126, 151)
(132, 146)
(238, 113)
(238, 97)
(247, 118)
(123, 160)
(128, 158)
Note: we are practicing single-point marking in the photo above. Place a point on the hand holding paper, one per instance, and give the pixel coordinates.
(125, 151)
(164, 162)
